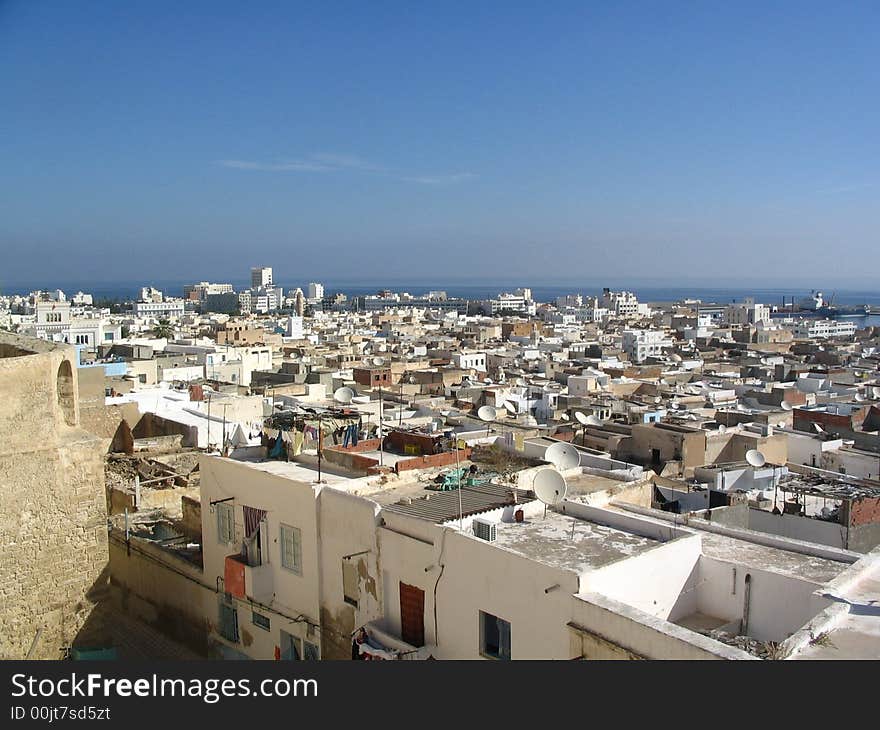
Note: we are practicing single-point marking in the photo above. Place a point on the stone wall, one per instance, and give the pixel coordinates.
(53, 518)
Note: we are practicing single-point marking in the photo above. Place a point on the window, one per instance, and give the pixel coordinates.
(291, 548)
(349, 582)
(291, 650)
(494, 636)
(225, 525)
(228, 627)
(311, 653)
(260, 620)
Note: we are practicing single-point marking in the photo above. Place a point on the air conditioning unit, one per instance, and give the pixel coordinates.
(484, 529)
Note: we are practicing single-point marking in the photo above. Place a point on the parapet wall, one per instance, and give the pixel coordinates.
(53, 512)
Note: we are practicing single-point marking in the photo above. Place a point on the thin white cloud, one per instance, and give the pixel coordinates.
(289, 166)
(439, 179)
(327, 162)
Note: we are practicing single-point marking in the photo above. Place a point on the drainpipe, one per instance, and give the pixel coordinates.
(747, 595)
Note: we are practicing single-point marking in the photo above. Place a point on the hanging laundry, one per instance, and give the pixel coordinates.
(298, 440)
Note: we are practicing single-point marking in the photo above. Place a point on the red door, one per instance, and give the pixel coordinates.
(412, 615)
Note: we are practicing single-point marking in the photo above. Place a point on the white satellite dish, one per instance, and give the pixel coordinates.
(343, 395)
(860, 397)
(786, 406)
(487, 413)
(564, 416)
(593, 421)
(676, 357)
(563, 456)
(378, 361)
(818, 428)
(755, 458)
(722, 429)
(549, 486)
(876, 391)
(581, 417)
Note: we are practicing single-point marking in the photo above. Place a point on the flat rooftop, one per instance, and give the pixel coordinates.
(295, 471)
(857, 634)
(571, 543)
(777, 560)
(589, 483)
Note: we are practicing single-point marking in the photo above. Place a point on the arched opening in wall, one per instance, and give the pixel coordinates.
(66, 398)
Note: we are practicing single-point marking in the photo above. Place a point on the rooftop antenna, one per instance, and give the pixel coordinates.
(487, 414)
(549, 487)
(343, 395)
(755, 458)
(563, 456)
(585, 421)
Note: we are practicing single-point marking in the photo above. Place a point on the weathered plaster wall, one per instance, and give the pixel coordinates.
(53, 519)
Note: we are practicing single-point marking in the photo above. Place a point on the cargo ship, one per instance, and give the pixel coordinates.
(815, 305)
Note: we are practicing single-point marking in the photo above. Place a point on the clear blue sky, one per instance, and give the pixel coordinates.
(531, 141)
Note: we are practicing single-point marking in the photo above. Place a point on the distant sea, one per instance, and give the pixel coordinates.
(128, 290)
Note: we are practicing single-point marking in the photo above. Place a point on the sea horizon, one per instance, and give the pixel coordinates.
(541, 291)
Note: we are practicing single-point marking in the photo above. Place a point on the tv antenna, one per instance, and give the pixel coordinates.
(487, 414)
(563, 456)
(549, 487)
(755, 458)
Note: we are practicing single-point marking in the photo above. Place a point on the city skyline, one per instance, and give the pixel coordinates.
(573, 143)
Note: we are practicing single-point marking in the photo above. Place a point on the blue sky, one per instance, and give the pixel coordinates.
(670, 142)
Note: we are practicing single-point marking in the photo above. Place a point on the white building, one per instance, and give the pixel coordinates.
(316, 291)
(149, 294)
(261, 276)
(622, 304)
(824, 328)
(747, 312)
(168, 309)
(519, 300)
(641, 344)
(295, 327)
(470, 361)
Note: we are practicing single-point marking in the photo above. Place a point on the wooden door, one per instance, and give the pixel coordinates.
(412, 615)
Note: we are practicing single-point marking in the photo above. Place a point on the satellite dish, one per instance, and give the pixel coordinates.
(378, 361)
(755, 458)
(818, 428)
(511, 408)
(549, 486)
(593, 421)
(876, 391)
(676, 357)
(581, 417)
(786, 406)
(722, 429)
(564, 416)
(487, 413)
(343, 395)
(860, 397)
(563, 456)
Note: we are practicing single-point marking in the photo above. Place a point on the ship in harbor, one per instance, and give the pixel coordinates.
(815, 305)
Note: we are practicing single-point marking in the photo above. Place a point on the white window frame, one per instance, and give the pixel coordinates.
(283, 529)
(228, 536)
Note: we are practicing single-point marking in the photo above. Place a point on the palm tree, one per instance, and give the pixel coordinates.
(164, 329)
